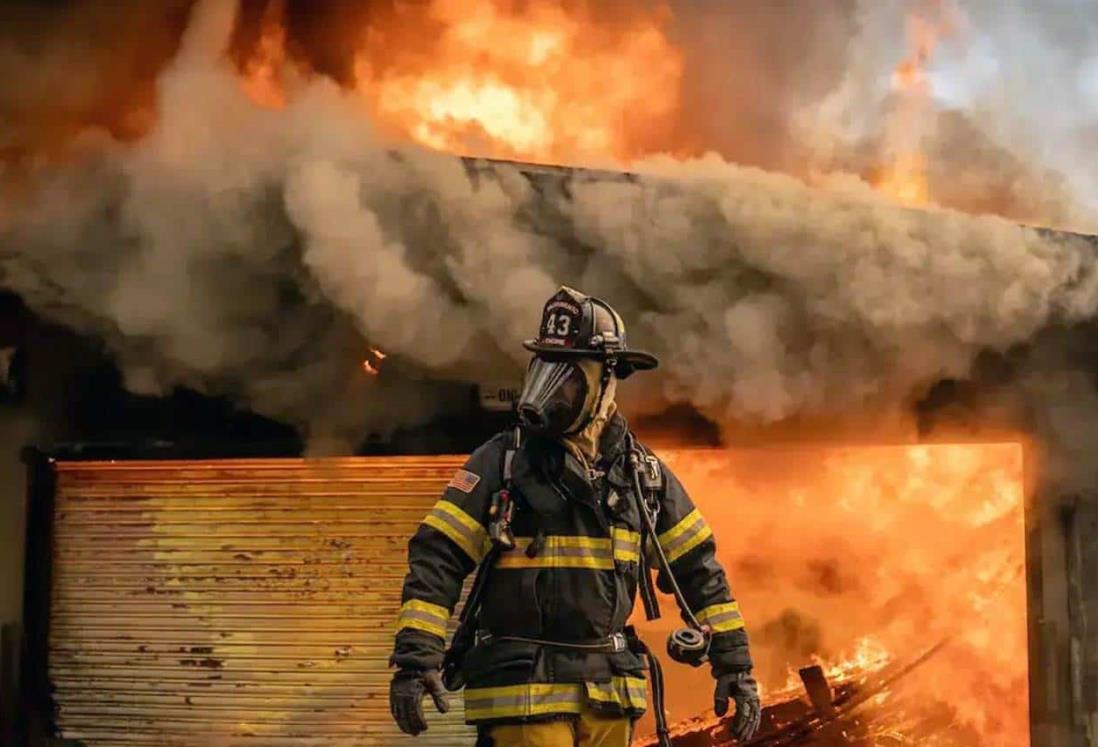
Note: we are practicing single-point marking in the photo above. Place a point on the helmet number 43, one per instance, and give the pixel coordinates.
(558, 324)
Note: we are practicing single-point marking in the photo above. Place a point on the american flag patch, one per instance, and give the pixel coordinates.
(464, 481)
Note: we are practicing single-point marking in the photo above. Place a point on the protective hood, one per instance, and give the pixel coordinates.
(584, 444)
(560, 397)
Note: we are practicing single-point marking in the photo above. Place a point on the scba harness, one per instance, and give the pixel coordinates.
(688, 645)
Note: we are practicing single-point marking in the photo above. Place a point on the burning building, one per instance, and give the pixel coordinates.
(896, 395)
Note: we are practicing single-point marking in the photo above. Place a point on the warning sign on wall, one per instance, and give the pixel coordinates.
(499, 396)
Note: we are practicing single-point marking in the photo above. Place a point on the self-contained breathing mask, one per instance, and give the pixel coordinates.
(561, 397)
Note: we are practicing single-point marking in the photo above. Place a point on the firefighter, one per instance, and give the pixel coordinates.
(562, 518)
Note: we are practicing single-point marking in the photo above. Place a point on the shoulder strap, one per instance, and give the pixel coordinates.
(651, 474)
(647, 505)
(515, 443)
(472, 602)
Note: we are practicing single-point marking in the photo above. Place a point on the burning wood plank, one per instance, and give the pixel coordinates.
(825, 715)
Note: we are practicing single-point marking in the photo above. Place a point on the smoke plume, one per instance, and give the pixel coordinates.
(258, 251)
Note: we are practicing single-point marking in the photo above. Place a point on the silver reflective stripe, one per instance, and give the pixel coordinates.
(421, 616)
(465, 531)
(582, 552)
(722, 618)
(426, 616)
(680, 539)
(630, 693)
(518, 701)
(626, 544)
(590, 553)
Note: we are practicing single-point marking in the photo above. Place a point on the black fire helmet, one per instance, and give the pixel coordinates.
(574, 325)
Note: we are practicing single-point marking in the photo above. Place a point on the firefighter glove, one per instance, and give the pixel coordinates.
(742, 688)
(406, 693)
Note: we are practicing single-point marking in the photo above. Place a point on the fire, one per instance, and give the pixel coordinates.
(905, 179)
(904, 174)
(533, 81)
(263, 70)
(372, 363)
(862, 559)
(868, 656)
(561, 83)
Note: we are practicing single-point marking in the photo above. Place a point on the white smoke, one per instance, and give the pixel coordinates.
(1008, 124)
(257, 252)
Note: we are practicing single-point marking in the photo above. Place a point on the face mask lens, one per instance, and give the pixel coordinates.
(553, 396)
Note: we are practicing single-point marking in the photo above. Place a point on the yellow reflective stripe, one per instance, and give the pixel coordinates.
(465, 531)
(680, 528)
(435, 610)
(624, 534)
(454, 510)
(518, 701)
(680, 539)
(460, 539)
(590, 553)
(628, 692)
(722, 618)
(689, 545)
(562, 540)
(626, 544)
(425, 616)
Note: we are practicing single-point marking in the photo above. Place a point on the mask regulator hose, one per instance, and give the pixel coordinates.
(688, 645)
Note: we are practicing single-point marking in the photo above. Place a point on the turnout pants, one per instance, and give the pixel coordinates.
(590, 729)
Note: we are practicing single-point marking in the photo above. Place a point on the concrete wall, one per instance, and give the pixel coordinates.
(1062, 580)
(17, 427)
(41, 415)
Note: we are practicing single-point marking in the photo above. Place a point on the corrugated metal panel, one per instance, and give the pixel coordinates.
(235, 602)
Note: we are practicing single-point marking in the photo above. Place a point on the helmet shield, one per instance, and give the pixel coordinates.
(558, 395)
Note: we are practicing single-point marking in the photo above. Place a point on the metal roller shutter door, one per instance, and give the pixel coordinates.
(235, 602)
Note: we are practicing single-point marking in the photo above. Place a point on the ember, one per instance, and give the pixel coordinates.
(372, 363)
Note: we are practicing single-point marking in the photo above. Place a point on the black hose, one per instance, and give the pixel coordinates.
(655, 673)
(665, 564)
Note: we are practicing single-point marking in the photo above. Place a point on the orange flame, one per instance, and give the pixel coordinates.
(904, 177)
(868, 656)
(263, 70)
(524, 81)
(864, 557)
(372, 363)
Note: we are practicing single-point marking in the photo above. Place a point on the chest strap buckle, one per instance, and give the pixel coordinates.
(651, 474)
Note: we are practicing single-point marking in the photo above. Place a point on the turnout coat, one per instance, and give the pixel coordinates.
(577, 586)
